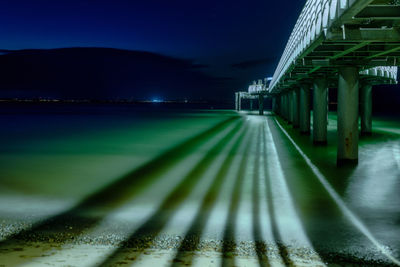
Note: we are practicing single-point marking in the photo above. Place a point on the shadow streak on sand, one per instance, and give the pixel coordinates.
(144, 236)
(74, 221)
(192, 238)
(228, 242)
(274, 226)
(261, 248)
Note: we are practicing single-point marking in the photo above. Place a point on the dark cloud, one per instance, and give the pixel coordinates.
(255, 63)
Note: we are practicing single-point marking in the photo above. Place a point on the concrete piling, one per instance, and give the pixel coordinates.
(295, 107)
(290, 106)
(305, 109)
(260, 104)
(347, 121)
(320, 109)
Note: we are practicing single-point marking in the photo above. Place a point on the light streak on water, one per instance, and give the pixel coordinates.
(215, 224)
(265, 219)
(289, 224)
(374, 186)
(145, 204)
(179, 222)
(244, 213)
(182, 220)
(144, 236)
(340, 203)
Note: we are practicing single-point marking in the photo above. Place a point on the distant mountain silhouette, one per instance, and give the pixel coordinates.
(104, 73)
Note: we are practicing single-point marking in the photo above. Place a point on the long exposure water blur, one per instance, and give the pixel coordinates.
(106, 185)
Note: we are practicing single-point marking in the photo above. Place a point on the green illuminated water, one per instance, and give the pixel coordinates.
(62, 154)
(197, 180)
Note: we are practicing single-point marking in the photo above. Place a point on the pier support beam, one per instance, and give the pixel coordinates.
(251, 104)
(347, 121)
(305, 109)
(287, 107)
(290, 106)
(287, 103)
(278, 108)
(274, 104)
(295, 107)
(237, 101)
(320, 109)
(278, 105)
(260, 104)
(366, 109)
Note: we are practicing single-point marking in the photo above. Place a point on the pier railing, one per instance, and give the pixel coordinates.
(357, 25)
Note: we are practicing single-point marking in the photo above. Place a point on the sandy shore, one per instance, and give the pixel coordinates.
(162, 252)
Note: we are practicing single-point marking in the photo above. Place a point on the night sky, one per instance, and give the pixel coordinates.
(214, 47)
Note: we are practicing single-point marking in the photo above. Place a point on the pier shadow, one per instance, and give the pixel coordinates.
(73, 222)
(260, 246)
(283, 251)
(229, 244)
(192, 238)
(144, 236)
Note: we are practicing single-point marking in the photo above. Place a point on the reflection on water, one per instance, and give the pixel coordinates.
(352, 217)
(375, 182)
(191, 188)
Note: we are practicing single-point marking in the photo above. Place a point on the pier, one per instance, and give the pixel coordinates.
(281, 180)
(349, 45)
